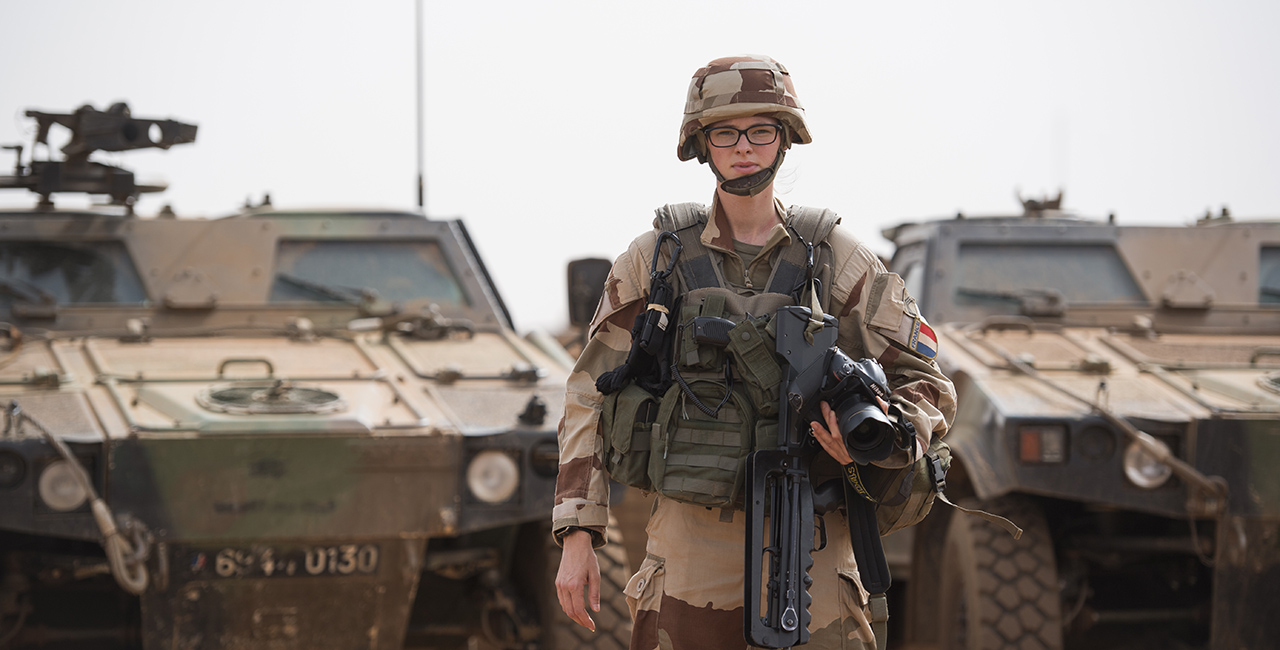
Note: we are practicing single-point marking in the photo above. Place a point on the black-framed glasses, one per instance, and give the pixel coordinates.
(727, 136)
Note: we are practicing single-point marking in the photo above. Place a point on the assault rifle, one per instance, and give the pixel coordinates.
(778, 484)
(779, 480)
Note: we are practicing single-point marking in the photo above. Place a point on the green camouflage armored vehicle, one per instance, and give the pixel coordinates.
(276, 429)
(1119, 398)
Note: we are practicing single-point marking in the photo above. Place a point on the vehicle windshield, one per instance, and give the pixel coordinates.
(344, 271)
(1269, 275)
(68, 273)
(1002, 276)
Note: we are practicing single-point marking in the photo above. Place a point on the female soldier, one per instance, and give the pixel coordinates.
(740, 118)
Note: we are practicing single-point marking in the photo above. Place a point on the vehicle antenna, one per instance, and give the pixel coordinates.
(422, 189)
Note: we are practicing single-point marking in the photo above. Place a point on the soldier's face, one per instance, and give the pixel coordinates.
(744, 158)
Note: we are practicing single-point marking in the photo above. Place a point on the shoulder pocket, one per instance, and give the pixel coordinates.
(893, 314)
(887, 303)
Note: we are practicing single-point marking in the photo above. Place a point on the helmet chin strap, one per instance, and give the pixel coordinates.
(749, 185)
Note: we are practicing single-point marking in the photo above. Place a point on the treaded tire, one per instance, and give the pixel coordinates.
(922, 598)
(998, 592)
(613, 621)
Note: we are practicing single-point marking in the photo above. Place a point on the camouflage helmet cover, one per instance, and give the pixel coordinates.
(738, 86)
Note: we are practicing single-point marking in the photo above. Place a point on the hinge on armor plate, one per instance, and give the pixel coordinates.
(139, 331)
(43, 378)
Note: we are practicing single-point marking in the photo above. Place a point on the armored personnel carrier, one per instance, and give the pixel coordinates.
(273, 430)
(1119, 398)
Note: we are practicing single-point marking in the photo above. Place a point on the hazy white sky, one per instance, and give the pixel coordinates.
(551, 126)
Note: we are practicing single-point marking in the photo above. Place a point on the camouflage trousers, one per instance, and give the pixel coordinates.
(687, 594)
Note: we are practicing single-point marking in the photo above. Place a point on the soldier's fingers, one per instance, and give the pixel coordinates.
(569, 589)
(563, 595)
(571, 603)
(833, 422)
(834, 442)
(581, 617)
(820, 434)
(825, 438)
(593, 592)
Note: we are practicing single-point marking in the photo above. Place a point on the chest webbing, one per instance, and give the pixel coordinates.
(699, 269)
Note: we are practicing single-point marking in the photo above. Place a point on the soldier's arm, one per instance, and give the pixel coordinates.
(878, 319)
(582, 486)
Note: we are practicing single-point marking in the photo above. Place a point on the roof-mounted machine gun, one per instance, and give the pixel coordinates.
(114, 129)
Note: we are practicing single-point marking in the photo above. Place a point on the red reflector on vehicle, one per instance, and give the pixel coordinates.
(1042, 444)
(1029, 446)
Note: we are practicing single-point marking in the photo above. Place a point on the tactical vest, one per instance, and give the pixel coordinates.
(691, 442)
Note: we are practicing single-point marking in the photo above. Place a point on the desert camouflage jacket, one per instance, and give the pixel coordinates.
(878, 319)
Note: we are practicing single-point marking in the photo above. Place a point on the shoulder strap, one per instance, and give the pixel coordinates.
(695, 270)
(678, 216)
(813, 226)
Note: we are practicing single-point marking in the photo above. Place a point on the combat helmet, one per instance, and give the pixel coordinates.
(739, 86)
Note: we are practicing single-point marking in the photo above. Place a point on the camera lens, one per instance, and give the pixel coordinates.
(867, 432)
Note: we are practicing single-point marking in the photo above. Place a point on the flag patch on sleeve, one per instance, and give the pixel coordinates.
(924, 341)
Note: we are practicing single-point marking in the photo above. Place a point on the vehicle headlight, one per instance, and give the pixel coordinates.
(1144, 470)
(493, 476)
(59, 488)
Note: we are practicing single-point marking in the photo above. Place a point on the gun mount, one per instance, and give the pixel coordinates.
(114, 129)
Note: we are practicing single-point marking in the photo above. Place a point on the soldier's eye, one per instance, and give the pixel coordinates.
(723, 137)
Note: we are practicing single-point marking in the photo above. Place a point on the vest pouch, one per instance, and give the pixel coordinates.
(766, 434)
(689, 355)
(628, 421)
(920, 501)
(756, 364)
(697, 458)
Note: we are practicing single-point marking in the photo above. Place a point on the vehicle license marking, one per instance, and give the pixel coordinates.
(271, 562)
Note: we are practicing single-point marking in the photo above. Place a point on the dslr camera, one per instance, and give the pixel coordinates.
(821, 372)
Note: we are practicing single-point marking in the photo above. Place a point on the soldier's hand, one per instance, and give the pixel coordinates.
(829, 437)
(578, 568)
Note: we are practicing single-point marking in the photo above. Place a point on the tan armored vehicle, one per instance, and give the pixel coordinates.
(273, 430)
(1119, 394)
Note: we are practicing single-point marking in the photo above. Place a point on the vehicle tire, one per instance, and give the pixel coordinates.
(998, 592)
(613, 621)
(921, 601)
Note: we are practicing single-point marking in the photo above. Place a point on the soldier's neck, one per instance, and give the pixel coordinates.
(750, 217)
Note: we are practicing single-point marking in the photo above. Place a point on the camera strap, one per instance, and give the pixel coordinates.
(864, 532)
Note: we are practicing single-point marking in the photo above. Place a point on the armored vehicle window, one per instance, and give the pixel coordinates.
(1269, 275)
(1002, 275)
(913, 277)
(327, 271)
(67, 273)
